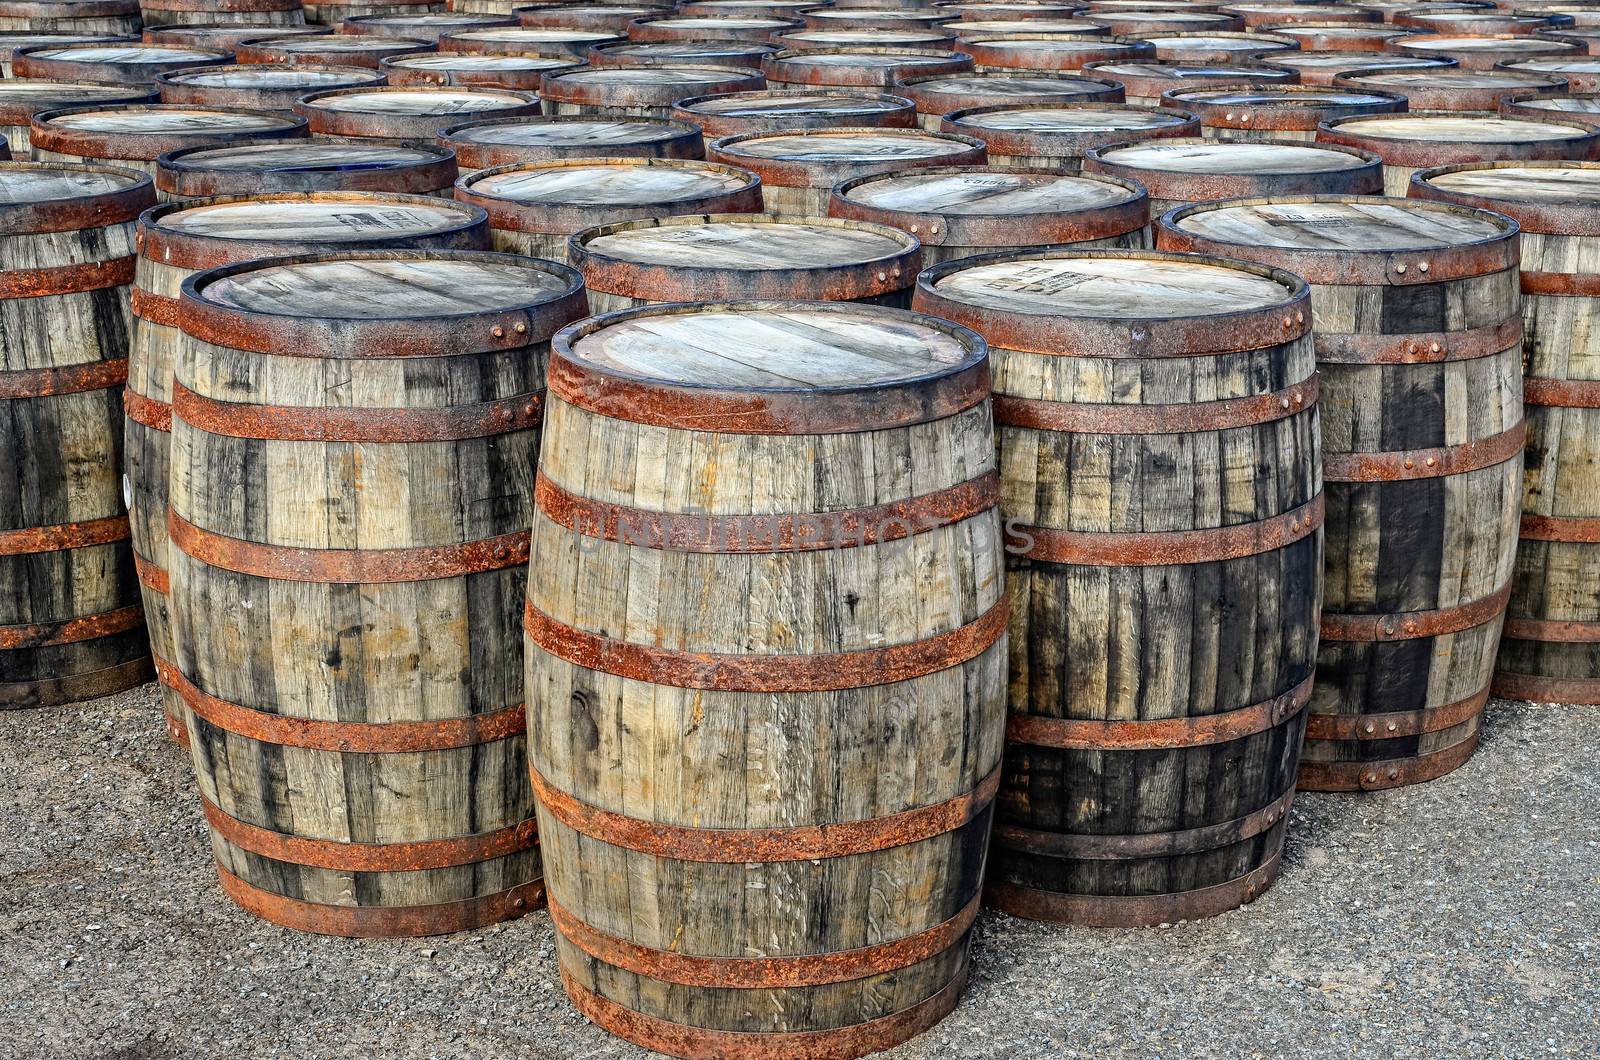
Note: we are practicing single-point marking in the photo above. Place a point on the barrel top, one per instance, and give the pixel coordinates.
(987, 192)
(753, 242)
(430, 19)
(1400, 80)
(166, 119)
(845, 145)
(1433, 42)
(715, 22)
(1280, 97)
(533, 34)
(652, 75)
(130, 53)
(45, 182)
(689, 52)
(418, 100)
(1558, 184)
(539, 131)
(1005, 83)
(1588, 104)
(267, 75)
(30, 95)
(302, 154)
(328, 217)
(1382, 225)
(764, 104)
(383, 287)
(480, 61)
(1233, 42)
(1448, 128)
(803, 346)
(1082, 118)
(1136, 286)
(1357, 61)
(335, 42)
(1189, 71)
(1064, 44)
(1576, 65)
(603, 182)
(1028, 26)
(878, 57)
(1219, 157)
(889, 37)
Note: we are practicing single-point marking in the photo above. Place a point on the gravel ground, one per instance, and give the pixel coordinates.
(1459, 918)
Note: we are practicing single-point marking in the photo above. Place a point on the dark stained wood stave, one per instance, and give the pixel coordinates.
(303, 608)
(71, 627)
(98, 17)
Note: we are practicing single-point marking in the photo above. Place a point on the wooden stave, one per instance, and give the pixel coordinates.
(141, 150)
(1327, 77)
(578, 49)
(1531, 109)
(1114, 881)
(610, 18)
(334, 12)
(422, 26)
(1142, 87)
(651, 29)
(1377, 671)
(816, 39)
(677, 140)
(226, 36)
(1585, 80)
(399, 128)
(160, 13)
(631, 53)
(259, 865)
(176, 88)
(1064, 149)
(893, 112)
(87, 631)
(1337, 36)
(1172, 188)
(72, 16)
(1257, 16)
(1251, 45)
(1402, 158)
(1004, 53)
(178, 177)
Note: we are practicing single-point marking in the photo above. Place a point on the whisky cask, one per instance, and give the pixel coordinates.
(1409, 142)
(1144, 82)
(1484, 53)
(1389, 9)
(785, 8)
(1180, 171)
(641, 91)
(877, 18)
(1453, 90)
(937, 95)
(71, 627)
(1160, 487)
(611, 18)
(832, 39)
(1581, 74)
(1023, 9)
(1259, 15)
(960, 211)
(744, 257)
(1061, 134)
(339, 49)
(534, 207)
(1145, 24)
(135, 136)
(1208, 47)
(1058, 54)
(347, 648)
(21, 99)
(1577, 106)
(519, 73)
(264, 13)
(737, 113)
(264, 86)
(1472, 23)
(337, 12)
(1550, 650)
(121, 64)
(1277, 112)
(1419, 350)
(799, 169)
(105, 17)
(1324, 67)
(814, 658)
(177, 240)
(410, 117)
(874, 69)
(504, 141)
(304, 166)
(747, 55)
(678, 27)
(509, 41)
(1586, 37)
(12, 40)
(966, 28)
(1336, 36)
(226, 36)
(428, 26)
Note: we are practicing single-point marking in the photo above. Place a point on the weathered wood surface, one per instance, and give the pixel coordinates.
(1580, 74)
(334, 12)
(71, 627)
(1177, 172)
(1060, 134)
(1551, 647)
(11, 40)
(1162, 498)
(135, 136)
(659, 28)
(575, 42)
(788, 842)
(349, 522)
(227, 37)
(70, 16)
(1202, 47)
(937, 95)
(1323, 67)
(1469, 90)
(615, 18)
(21, 99)
(808, 69)
(264, 15)
(737, 113)
(338, 49)
(1144, 82)
(1277, 112)
(1060, 54)
(641, 91)
(428, 26)
(523, 73)
(1337, 36)
(265, 168)
(128, 64)
(1482, 53)
(408, 117)
(1409, 142)
(264, 86)
(745, 54)
(505, 141)
(809, 39)
(1419, 352)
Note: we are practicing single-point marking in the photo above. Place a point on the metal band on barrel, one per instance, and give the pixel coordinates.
(1562, 393)
(1087, 847)
(1409, 625)
(1402, 465)
(1393, 725)
(735, 846)
(66, 279)
(1553, 630)
(234, 419)
(1571, 529)
(1431, 347)
(1390, 773)
(152, 577)
(1108, 418)
(1561, 284)
(1161, 547)
(147, 412)
(1538, 688)
(72, 630)
(72, 379)
(154, 308)
(62, 536)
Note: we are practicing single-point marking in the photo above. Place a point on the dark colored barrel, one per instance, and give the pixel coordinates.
(1177, 172)
(305, 166)
(506, 141)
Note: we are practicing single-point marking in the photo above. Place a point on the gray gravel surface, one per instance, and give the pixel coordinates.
(1458, 918)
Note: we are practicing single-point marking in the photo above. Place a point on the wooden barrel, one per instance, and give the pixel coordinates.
(339, 49)
(1409, 142)
(1419, 351)
(1578, 106)
(1061, 134)
(1258, 15)
(1391, 8)
(641, 91)
(176, 241)
(1550, 650)
(575, 42)
(11, 40)
(829, 39)
(1144, 82)
(1336, 36)
(1453, 90)
(1472, 23)
(959, 211)
(1047, 54)
(611, 18)
(492, 7)
(1033, 28)
(265, 86)
(1581, 74)
(226, 36)
(135, 136)
(877, 18)
(875, 69)
(737, 257)
(122, 64)
(112, 17)
(1484, 53)
(337, 12)
(71, 627)
(1177, 172)
(1149, 23)
(21, 99)
(1156, 703)
(239, 12)
(678, 28)
(534, 207)
(505, 141)
(738, 113)
(1586, 36)
(519, 73)
(1324, 67)
(1023, 9)
(859, 846)
(411, 117)
(747, 55)
(1207, 47)
(1277, 112)
(786, 8)
(364, 775)
(304, 166)
(799, 169)
(428, 26)
(936, 95)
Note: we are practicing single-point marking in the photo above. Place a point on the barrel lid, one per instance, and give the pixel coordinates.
(1283, 96)
(1310, 11)
(685, 52)
(1176, 71)
(1337, 30)
(1358, 61)
(1588, 103)
(745, 242)
(302, 155)
(446, 20)
(1511, 45)
(336, 42)
(535, 35)
(652, 75)
(888, 38)
(1401, 80)
(1452, 128)
(862, 58)
(607, 182)
(318, 217)
(269, 75)
(130, 54)
(789, 104)
(481, 61)
(1064, 50)
(568, 131)
(1231, 43)
(1033, 27)
(21, 98)
(164, 120)
(425, 101)
(1556, 197)
(1080, 118)
(818, 158)
(1004, 83)
(1232, 157)
(711, 23)
(1467, 21)
(1576, 65)
(13, 39)
(63, 196)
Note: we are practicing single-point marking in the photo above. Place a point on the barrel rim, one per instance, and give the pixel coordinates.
(732, 51)
(1191, 187)
(799, 66)
(176, 175)
(379, 124)
(29, 62)
(802, 173)
(1069, 142)
(1536, 216)
(20, 112)
(70, 213)
(1422, 154)
(149, 145)
(558, 89)
(374, 25)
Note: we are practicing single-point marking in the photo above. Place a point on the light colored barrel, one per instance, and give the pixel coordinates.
(504, 141)
(877, 18)
(1277, 112)
(135, 136)
(1147, 23)
(176, 241)
(747, 55)
(71, 626)
(364, 776)
(1472, 23)
(967, 28)
(1257, 15)
(1578, 106)
(758, 28)
(264, 13)
(122, 64)
(1337, 36)
(520, 73)
(409, 117)
(718, 257)
(304, 166)
(429, 26)
(336, 12)
(1134, 514)
(786, 8)
(1419, 351)
(752, 432)
(1453, 90)
(1061, 134)
(264, 86)
(1177, 172)
(21, 99)
(799, 169)
(1324, 67)
(534, 207)
(937, 95)
(874, 69)
(1058, 54)
(1409, 142)
(226, 36)
(612, 18)
(11, 40)
(737, 113)
(1144, 82)
(1211, 47)
(830, 39)
(574, 42)
(641, 91)
(339, 49)
(1484, 53)
(1550, 650)
(1580, 74)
